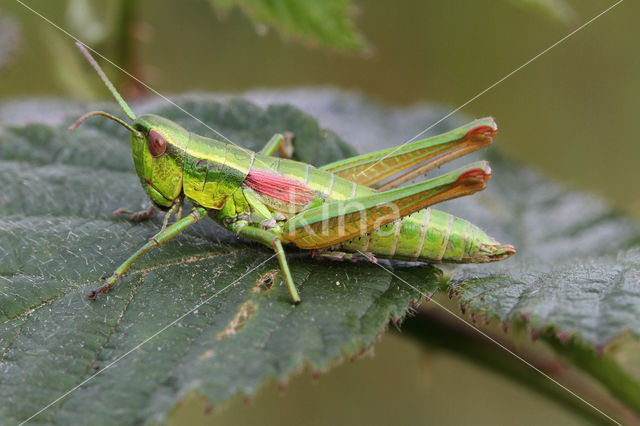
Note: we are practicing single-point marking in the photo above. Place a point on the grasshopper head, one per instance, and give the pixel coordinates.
(157, 145)
(158, 149)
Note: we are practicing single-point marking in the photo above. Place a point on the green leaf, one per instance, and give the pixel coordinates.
(575, 281)
(324, 23)
(578, 263)
(576, 272)
(58, 240)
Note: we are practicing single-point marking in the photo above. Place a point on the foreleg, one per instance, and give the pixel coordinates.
(156, 241)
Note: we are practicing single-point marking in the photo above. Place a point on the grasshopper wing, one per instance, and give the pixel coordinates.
(427, 154)
(270, 184)
(338, 221)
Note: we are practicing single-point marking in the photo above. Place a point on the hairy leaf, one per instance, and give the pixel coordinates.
(578, 263)
(575, 281)
(206, 313)
(575, 274)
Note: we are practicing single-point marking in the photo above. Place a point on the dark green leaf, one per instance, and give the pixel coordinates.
(575, 281)
(578, 263)
(58, 239)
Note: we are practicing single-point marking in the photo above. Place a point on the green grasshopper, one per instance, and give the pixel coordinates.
(343, 210)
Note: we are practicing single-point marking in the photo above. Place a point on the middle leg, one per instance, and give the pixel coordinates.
(281, 142)
(271, 240)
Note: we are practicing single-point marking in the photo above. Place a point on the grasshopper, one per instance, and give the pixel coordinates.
(344, 210)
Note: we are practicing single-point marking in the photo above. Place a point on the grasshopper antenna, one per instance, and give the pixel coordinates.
(106, 81)
(106, 114)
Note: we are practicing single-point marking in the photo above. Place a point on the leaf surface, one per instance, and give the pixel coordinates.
(577, 269)
(577, 265)
(575, 281)
(198, 315)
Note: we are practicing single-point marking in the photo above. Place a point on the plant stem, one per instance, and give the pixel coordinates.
(600, 366)
(435, 328)
(124, 42)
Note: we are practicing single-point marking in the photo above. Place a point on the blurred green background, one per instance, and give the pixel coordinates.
(572, 114)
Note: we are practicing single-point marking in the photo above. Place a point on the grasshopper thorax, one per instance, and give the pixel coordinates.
(158, 152)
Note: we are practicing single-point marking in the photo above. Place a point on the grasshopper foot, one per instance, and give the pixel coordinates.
(286, 147)
(93, 293)
(105, 288)
(136, 216)
(369, 256)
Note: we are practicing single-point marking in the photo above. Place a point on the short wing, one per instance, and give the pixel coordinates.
(370, 169)
(339, 221)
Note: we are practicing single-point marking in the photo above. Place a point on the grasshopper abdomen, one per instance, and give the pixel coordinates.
(432, 236)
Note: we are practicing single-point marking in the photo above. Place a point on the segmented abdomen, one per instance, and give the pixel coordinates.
(429, 236)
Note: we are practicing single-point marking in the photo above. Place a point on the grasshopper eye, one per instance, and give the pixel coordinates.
(157, 143)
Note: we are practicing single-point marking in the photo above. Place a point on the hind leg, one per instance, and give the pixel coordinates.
(341, 255)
